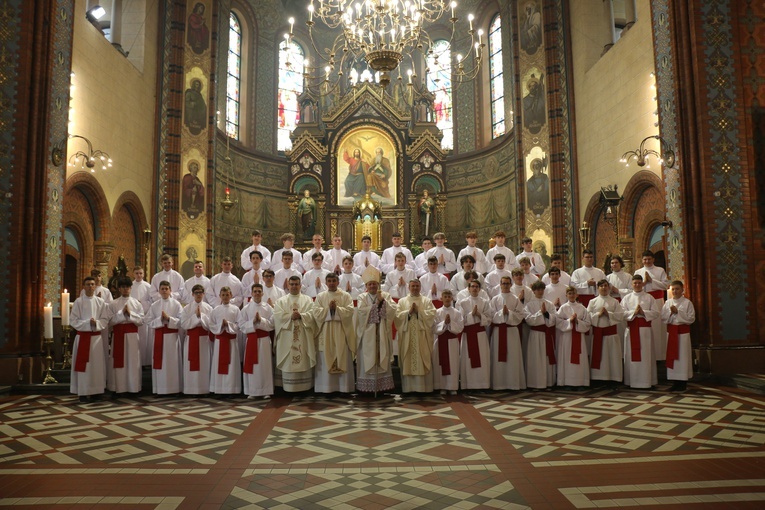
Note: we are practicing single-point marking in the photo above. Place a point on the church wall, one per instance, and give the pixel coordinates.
(613, 98)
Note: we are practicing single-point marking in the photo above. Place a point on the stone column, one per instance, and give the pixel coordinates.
(605, 24)
(115, 26)
(102, 255)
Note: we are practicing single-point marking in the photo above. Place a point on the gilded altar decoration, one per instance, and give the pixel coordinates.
(366, 164)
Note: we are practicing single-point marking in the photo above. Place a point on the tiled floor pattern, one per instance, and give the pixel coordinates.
(543, 450)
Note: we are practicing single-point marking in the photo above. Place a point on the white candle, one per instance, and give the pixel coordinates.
(48, 315)
(65, 308)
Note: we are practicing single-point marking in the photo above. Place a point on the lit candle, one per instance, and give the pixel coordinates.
(228, 191)
(65, 308)
(470, 20)
(454, 4)
(292, 22)
(48, 315)
(310, 11)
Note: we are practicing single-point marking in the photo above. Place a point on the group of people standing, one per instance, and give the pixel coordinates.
(299, 321)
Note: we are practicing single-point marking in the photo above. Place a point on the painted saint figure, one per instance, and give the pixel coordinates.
(531, 29)
(195, 114)
(193, 198)
(538, 187)
(197, 33)
(355, 182)
(534, 114)
(378, 174)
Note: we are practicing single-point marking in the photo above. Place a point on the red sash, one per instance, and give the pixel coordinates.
(224, 351)
(549, 332)
(118, 342)
(673, 342)
(657, 294)
(502, 338)
(393, 325)
(474, 352)
(597, 343)
(576, 345)
(635, 326)
(83, 351)
(194, 334)
(251, 349)
(443, 352)
(159, 345)
(438, 303)
(585, 298)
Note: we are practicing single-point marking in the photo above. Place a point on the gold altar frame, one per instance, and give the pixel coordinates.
(367, 140)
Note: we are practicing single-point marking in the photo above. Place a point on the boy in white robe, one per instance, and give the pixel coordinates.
(125, 315)
(655, 283)
(225, 279)
(414, 320)
(535, 259)
(170, 275)
(256, 322)
(523, 293)
(507, 371)
(164, 318)
(244, 258)
(397, 280)
(199, 278)
(678, 314)
(475, 354)
(336, 339)
(288, 240)
(433, 283)
(101, 291)
(540, 352)
(640, 310)
(88, 352)
(529, 277)
(197, 347)
(366, 257)
(336, 254)
(457, 282)
(481, 263)
(254, 275)
(607, 355)
(281, 276)
(447, 262)
(141, 290)
(226, 366)
(350, 282)
(620, 280)
(586, 278)
(295, 338)
(374, 330)
(314, 280)
(494, 278)
(446, 349)
(271, 292)
(421, 260)
(555, 291)
(307, 262)
(556, 260)
(470, 276)
(511, 261)
(573, 324)
(387, 260)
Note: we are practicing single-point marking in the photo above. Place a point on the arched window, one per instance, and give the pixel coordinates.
(496, 79)
(233, 76)
(439, 81)
(291, 57)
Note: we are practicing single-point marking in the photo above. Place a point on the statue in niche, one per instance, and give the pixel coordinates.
(367, 208)
(307, 109)
(193, 192)
(195, 114)
(306, 212)
(426, 208)
(197, 33)
(423, 111)
(538, 187)
(399, 95)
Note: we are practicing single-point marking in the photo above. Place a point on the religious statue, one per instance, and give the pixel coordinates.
(534, 112)
(307, 109)
(398, 94)
(427, 207)
(306, 212)
(367, 208)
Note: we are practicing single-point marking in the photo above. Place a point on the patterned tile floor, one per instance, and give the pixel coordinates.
(548, 450)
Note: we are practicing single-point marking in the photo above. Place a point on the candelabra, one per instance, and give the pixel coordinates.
(67, 358)
(49, 379)
(641, 154)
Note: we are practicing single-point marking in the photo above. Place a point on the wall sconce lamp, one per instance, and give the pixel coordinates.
(95, 13)
(584, 235)
(642, 153)
(89, 158)
(227, 203)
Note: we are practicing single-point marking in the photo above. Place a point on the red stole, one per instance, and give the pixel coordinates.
(159, 345)
(597, 343)
(502, 338)
(474, 352)
(549, 332)
(443, 351)
(118, 342)
(251, 349)
(585, 298)
(657, 294)
(576, 345)
(673, 342)
(83, 351)
(635, 325)
(437, 303)
(393, 324)
(194, 334)
(224, 351)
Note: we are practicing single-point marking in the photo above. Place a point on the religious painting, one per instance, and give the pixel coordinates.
(192, 191)
(192, 249)
(195, 106)
(540, 243)
(534, 110)
(197, 33)
(537, 181)
(531, 27)
(366, 165)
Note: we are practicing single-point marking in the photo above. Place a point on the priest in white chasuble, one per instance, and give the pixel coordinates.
(295, 338)
(414, 322)
(374, 330)
(336, 339)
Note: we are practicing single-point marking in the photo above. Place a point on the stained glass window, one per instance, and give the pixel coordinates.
(291, 58)
(496, 79)
(233, 76)
(439, 81)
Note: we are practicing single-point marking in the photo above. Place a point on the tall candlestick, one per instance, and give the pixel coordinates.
(48, 316)
(65, 308)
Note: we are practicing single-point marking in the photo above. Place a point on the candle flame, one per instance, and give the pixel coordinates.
(48, 305)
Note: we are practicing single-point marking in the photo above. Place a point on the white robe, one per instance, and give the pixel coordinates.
(93, 380)
(537, 264)
(308, 261)
(276, 260)
(336, 343)
(640, 374)
(295, 342)
(621, 283)
(450, 261)
(494, 279)
(101, 292)
(197, 382)
(507, 375)
(479, 377)
(225, 378)
(481, 263)
(126, 379)
(187, 295)
(415, 336)
(565, 278)
(571, 373)
(556, 294)
(244, 258)
(686, 314)
(373, 363)
(166, 380)
(659, 284)
(540, 373)
(458, 283)
(393, 285)
(334, 259)
(142, 292)
(360, 261)
(356, 286)
(510, 261)
(421, 264)
(309, 282)
(612, 351)
(283, 275)
(261, 381)
(248, 280)
(175, 280)
(428, 280)
(581, 276)
(220, 280)
(273, 293)
(388, 259)
(449, 381)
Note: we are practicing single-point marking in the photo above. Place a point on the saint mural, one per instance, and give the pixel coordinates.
(531, 28)
(195, 111)
(193, 192)
(366, 165)
(534, 114)
(538, 187)
(197, 33)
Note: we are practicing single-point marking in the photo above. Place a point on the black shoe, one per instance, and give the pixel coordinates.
(84, 399)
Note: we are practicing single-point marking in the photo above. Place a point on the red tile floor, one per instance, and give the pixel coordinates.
(702, 449)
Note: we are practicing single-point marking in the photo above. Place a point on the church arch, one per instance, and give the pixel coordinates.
(87, 185)
(129, 222)
(430, 182)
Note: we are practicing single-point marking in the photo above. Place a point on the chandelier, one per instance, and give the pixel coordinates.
(383, 33)
(642, 153)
